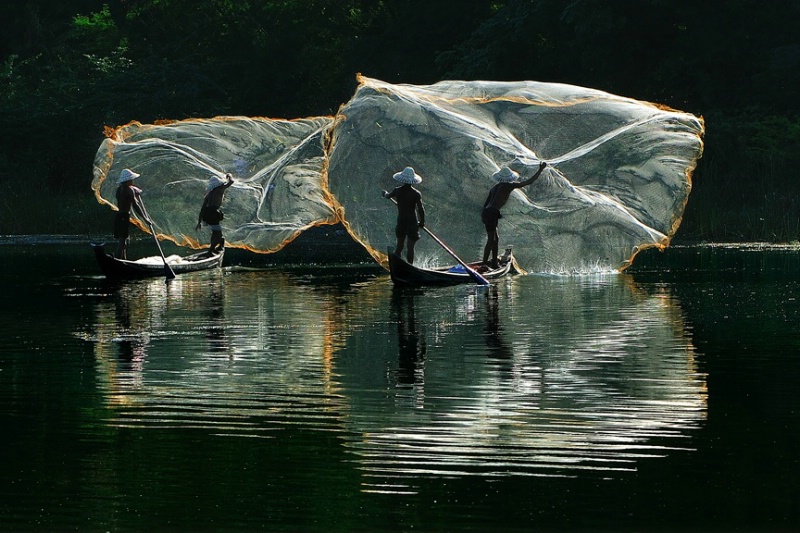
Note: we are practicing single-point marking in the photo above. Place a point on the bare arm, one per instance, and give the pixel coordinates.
(532, 178)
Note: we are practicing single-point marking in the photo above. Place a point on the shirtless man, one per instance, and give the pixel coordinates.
(210, 211)
(507, 180)
(410, 212)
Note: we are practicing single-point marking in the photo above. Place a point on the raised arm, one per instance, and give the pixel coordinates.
(532, 178)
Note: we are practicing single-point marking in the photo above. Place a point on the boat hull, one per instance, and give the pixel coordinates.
(406, 274)
(114, 268)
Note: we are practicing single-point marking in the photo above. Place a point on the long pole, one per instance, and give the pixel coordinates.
(480, 280)
(167, 269)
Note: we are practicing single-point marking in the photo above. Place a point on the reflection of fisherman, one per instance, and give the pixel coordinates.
(410, 212)
(411, 344)
(507, 180)
(210, 212)
(131, 343)
(127, 199)
(216, 320)
(493, 330)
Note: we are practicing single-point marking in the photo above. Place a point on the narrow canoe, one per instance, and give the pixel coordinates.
(405, 274)
(147, 267)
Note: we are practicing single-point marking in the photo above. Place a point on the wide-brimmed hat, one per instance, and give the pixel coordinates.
(505, 175)
(214, 182)
(407, 175)
(127, 175)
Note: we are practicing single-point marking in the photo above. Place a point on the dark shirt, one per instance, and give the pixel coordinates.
(126, 197)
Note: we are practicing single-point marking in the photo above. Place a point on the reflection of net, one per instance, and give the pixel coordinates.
(542, 377)
(618, 180)
(277, 166)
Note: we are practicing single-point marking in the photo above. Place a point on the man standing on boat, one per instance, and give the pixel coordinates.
(210, 212)
(127, 198)
(507, 180)
(410, 211)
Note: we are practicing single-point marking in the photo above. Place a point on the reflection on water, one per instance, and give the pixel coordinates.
(238, 354)
(321, 399)
(541, 376)
(411, 347)
(538, 376)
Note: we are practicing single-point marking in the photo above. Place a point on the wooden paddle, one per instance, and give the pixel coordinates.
(167, 269)
(480, 280)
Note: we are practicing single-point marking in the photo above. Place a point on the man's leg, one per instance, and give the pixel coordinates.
(401, 240)
(491, 243)
(216, 239)
(122, 248)
(410, 253)
(495, 245)
(217, 242)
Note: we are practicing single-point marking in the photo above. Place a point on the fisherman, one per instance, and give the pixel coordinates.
(410, 211)
(128, 197)
(507, 180)
(210, 212)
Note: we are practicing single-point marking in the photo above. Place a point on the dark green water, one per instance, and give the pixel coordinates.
(296, 399)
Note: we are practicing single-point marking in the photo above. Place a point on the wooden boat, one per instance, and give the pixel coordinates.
(148, 267)
(405, 274)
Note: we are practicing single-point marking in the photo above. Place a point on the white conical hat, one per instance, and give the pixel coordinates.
(127, 175)
(407, 175)
(505, 175)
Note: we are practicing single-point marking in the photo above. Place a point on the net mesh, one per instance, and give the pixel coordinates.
(277, 166)
(618, 179)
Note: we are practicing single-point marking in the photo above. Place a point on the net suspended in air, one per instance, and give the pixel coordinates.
(277, 166)
(618, 179)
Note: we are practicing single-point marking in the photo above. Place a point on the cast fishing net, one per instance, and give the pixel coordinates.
(617, 182)
(277, 166)
(618, 179)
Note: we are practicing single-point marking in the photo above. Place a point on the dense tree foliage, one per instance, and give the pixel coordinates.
(67, 69)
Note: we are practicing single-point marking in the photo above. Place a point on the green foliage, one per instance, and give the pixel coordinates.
(100, 21)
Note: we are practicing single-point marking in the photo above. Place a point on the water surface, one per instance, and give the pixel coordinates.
(300, 398)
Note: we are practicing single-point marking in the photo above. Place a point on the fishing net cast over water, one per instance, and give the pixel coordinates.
(277, 166)
(618, 178)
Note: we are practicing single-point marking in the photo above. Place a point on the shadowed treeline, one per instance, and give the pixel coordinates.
(68, 69)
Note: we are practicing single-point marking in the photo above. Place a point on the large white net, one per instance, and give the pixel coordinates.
(277, 166)
(618, 179)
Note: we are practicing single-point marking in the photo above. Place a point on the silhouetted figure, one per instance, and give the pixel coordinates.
(211, 212)
(410, 211)
(507, 180)
(127, 198)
